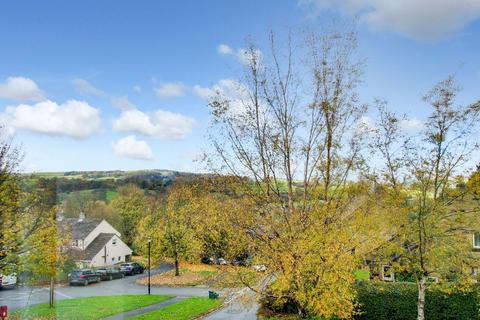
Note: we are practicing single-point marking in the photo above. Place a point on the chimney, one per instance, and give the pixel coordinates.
(81, 217)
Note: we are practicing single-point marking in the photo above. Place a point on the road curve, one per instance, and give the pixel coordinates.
(24, 296)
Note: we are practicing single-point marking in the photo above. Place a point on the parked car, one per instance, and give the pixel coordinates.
(242, 260)
(83, 276)
(8, 281)
(208, 260)
(222, 261)
(260, 267)
(110, 273)
(132, 268)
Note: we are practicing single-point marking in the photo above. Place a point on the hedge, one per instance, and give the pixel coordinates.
(398, 301)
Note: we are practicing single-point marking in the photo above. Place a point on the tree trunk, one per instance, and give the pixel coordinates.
(301, 312)
(52, 293)
(177, 270)
(421, 297)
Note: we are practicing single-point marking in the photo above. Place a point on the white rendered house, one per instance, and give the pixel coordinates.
(94, 243)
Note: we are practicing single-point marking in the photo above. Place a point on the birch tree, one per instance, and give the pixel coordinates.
(289, 135)
(433, 228)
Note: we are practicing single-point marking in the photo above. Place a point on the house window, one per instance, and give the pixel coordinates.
(476, 240)
(113, 259)
(114, 241)
(474, 272)
(387, 273)
(119, 258)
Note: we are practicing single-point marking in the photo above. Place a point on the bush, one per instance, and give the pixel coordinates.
(284, 306)
(398, 301)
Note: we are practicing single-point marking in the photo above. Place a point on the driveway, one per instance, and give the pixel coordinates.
(24, 296)
(242, 305)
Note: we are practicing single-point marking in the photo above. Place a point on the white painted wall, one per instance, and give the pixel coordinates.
(103, 227)
(116, 252)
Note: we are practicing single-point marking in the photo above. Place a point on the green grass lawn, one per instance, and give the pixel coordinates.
(361, 274)
(89, 308)
(183, 310)
(110, 194)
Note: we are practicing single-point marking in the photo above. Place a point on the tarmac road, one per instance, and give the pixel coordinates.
(24, 296)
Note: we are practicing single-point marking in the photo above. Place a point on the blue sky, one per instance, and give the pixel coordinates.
(104, 85)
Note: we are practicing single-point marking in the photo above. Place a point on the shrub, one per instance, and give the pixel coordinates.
(398, 301)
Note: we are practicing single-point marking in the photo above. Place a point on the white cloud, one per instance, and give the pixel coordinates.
(365, 124)
(86, 88)
(224, 49)
(159, 124)
(203, 92)
(137, 89)
(122, 103)
(226, 87)
(170, 90)
(20, 88)
(412, 124)
(130, 147)
(76, 119)
(235, 92)
(243, 55)
(419, 19)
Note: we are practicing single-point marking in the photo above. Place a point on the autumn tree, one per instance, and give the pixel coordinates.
(10, 204)
(288, 131)
(43, 258)
(27, 222)
(131, 203)
(101, 210)
(171, 227)
(76, 202)
(433, 228)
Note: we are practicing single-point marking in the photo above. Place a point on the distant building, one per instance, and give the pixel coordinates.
(94, 243)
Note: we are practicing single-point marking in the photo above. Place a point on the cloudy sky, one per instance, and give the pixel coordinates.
(102, 85)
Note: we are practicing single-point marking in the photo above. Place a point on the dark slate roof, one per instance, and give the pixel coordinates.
(96, 245)
(78, 229)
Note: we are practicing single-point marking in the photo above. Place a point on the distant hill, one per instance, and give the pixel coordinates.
(113, 174)
(100, 185)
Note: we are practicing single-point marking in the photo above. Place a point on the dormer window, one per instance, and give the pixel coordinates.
(387, 273)
(476, 240)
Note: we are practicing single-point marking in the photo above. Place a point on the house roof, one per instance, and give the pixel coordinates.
(79, 229)
(96, 245)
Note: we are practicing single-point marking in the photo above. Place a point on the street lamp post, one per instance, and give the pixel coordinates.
(149, 245)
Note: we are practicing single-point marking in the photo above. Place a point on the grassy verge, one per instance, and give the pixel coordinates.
(205, 275)
(189, 308)
(190, 275)
(89, 308)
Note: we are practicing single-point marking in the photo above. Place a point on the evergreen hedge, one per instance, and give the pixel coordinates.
(398, 301)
